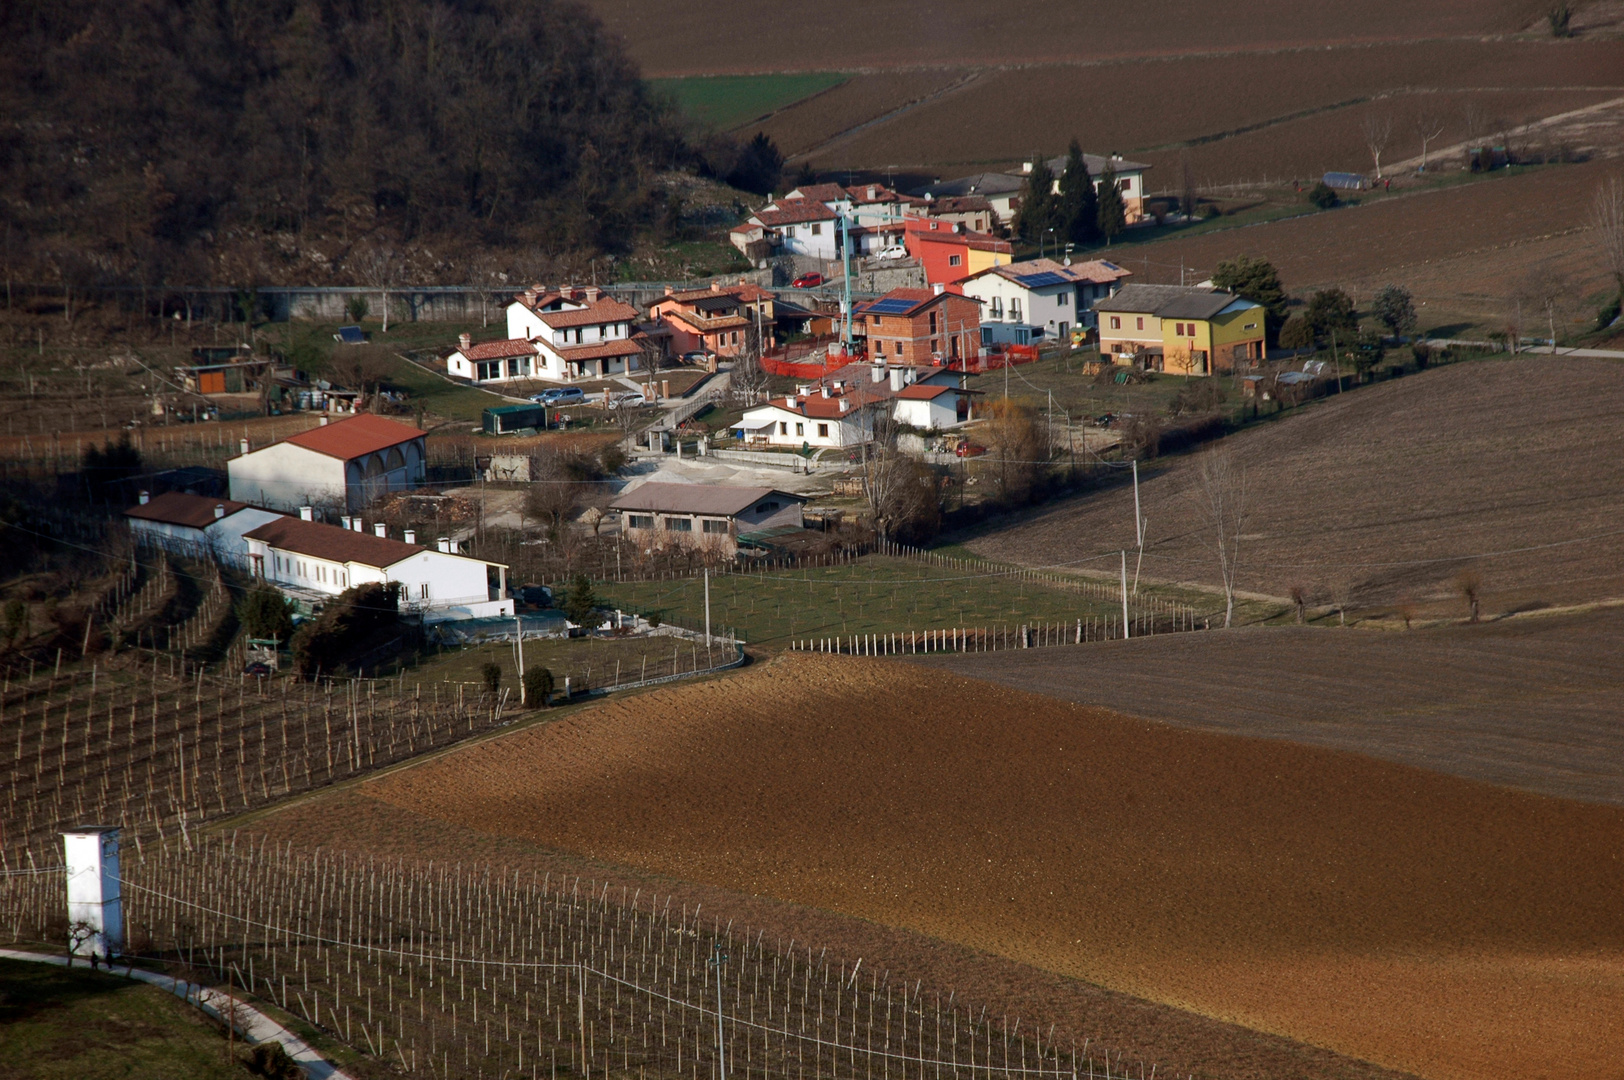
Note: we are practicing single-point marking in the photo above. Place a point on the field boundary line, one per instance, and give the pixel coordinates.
(256, 1028)
(884, 118)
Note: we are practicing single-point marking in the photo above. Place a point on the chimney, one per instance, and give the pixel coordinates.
(669, 289)
(1026, 166)
(145, 498)
(443, 544)
(243, 446)
(219, 511)
(844, 404)
(356, 525)
(410, 536)
(307, 513)
(346, 521)
(380, 530)
(323, 421)
(939, 288)
(465, 342)
(896, 380)
(877, 372)
(873, 192)
(824, 391)
(592, 294)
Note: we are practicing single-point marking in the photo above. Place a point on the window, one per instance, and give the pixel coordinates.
(899, 348)
(1127, 183)
(955, 260)
(823, 431)
(735, 337)
(640, 521)
(933, 322)
(1116, 322)
(1062, 298)
(783, 427)
(1178, 329)
(790, 232)
(1015, 308)
(1251, 326)
(578, 333)
(997, 309)
(423, 591)
(1139, 323)
(876, 319)
(817, 229)
(714, 525)
(489, 369)
(935, 346)
(679, 524)
(1189, 330)
(800, 429)
(767, 507)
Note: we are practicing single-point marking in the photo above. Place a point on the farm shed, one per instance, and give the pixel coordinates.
(348, 464)
(195, 525)
(507, 419)
(1346, 181)
(704, 514)
(311, 561)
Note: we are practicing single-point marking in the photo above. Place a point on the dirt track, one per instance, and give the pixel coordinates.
(1508, 467)
(1421, 921)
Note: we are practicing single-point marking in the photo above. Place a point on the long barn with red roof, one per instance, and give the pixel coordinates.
(341, 466)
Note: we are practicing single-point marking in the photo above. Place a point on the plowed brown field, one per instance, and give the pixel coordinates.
(1508, 467)
(1421, 921)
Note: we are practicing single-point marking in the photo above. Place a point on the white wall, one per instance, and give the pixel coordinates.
(852, 430)
(799, 239)
(939, 412)
(286, 476)
(440, 585)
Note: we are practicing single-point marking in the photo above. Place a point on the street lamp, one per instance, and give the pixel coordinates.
(1049, 230)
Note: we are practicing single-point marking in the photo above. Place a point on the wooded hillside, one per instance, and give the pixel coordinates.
(216, 140)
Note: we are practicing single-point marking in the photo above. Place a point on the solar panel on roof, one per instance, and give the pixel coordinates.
(1038, 281)
(891, 307)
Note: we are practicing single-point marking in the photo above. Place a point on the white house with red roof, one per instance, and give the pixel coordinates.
(343, 465)
(839, 409)
(311, 561)
(195, 525)
(800, 226)
(576, 333)
(492, 361)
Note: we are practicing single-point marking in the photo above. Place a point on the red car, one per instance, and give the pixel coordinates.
(807, 281)
(970, 450)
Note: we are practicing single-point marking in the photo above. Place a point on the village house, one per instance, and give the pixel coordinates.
(1040, 299)
(703, 514)
(948, 252)
(577, 333)
(345, 464)
(716, 320)
(492, 361)
(974, 212)
(800, 227)
(920, 326)
(1181, 329)
(1001, 191)
(840, 408)
(195, 526)
(312, 562)
(1130, 180)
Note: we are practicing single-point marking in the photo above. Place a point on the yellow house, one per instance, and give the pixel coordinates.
(1182, 330)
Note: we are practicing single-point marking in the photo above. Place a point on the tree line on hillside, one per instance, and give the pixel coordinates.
(207, 141)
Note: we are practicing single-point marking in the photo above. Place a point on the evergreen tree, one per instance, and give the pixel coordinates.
(1038, 210)
(1078, 206)
(580, 602)
(1113, 212)
(1255, 279)
(1332, 310)
(1395, 309)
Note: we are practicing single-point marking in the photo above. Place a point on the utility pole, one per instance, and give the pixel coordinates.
(845, 286)
(518, 629)
(707, 608)
(717, 960)
(1125, 632)
(1138, 528)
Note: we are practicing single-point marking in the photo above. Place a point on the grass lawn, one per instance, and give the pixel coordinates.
(875, 595)
(726, 101)
(62, 1024)
(1079, 395)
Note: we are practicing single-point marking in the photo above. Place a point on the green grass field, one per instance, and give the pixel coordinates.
(875, 595)
(60, 1024)
(726, 101)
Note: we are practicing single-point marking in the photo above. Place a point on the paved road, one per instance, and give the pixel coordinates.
(255, 1028)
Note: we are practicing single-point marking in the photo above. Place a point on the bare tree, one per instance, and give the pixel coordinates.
(1475, 120)
(379, 266)
(1428, 125)
(903, 495)
(1220, 496)
(1378, 132)
(747, 380)
(1607, 220)
(1546, 289)
(1188, 195)
(1469, 583)
(1018, 449)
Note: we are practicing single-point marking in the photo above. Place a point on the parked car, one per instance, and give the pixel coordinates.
(894, 251)
(967, 449)
(631, 399)
(807, 281)
(559, 395)
(700, 357)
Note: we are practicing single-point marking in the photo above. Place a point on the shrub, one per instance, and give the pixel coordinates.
(1197, 396)
(1322, 196)
(357, 308)
(1422, 353)
(346, 627)
(580, 602)
(538, 687)
(1297, 333)
(1608, 313)
(266, 613)
(1560, 18)
(1209, 211)
(269, 1060)
(490, 673)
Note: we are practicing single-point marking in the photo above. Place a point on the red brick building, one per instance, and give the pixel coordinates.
(921, 326)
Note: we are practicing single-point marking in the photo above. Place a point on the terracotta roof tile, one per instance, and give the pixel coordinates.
(623, 347)
(330, 542)
(499, 350)
(178, 508)
(605, 310)
(356, 437)
(794, 212)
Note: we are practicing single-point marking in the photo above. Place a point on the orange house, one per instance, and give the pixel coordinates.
(715, 320)
(948, 252)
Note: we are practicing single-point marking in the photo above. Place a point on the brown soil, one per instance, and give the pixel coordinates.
(1504, 467)
(1528, 702)
(1421, 921)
